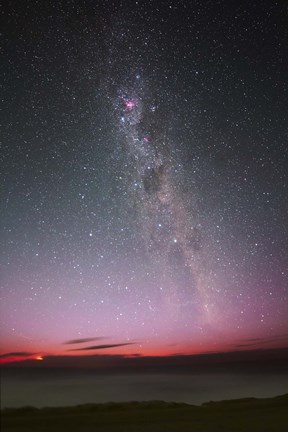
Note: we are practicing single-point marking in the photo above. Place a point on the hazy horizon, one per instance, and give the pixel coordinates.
(56, 389)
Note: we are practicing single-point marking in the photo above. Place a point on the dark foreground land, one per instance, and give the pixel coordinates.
(249, 415)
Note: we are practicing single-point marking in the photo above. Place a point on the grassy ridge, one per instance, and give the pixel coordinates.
(245, 415)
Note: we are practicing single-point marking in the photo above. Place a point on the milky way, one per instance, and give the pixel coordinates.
(145, 176)
(171, 235)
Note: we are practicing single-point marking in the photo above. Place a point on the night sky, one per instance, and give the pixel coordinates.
(144, 177)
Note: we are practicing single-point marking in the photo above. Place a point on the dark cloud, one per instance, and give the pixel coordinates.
(17, 354)
(270, 338)
(260, 341)
(97, 347)
(80, 341)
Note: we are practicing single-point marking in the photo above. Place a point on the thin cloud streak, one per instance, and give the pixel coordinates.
(259, 341)
(13, 357)
(97, 347)
(16, 354)
(80, 341)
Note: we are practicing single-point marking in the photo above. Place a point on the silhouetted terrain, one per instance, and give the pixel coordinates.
(247, 415)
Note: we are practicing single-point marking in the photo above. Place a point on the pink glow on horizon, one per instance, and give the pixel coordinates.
(20, 358)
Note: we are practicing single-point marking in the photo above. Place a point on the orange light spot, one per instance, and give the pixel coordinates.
(39, 358)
